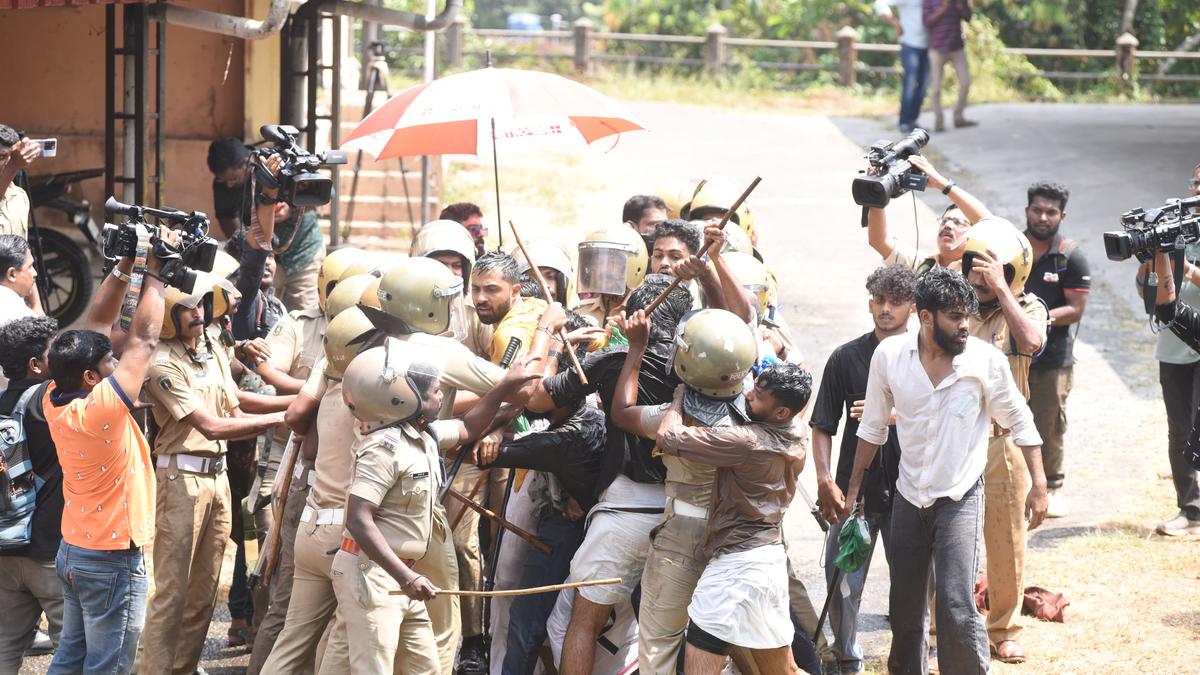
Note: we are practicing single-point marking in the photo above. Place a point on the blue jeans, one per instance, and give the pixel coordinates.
(915, 63)
(945, 536)
(528, 614)
(847, 596)
(104, 598)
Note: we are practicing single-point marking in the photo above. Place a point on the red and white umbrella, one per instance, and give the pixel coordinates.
(454, 115)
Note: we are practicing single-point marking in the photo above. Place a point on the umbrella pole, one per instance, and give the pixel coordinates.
(496, 179)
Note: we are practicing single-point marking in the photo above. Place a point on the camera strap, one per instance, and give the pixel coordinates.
(136, 277)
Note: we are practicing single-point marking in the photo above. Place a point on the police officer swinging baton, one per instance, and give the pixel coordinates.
(724, 220)
(537, 274)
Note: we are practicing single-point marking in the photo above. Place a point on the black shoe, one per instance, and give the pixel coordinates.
(473, 658)
(40, 645)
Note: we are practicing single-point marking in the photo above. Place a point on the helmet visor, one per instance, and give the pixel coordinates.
(602, 268)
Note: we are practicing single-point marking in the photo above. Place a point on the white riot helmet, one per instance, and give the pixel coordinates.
(547, 254)
(389, 384)
(446, 236)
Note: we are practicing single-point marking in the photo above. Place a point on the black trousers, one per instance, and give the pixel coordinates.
(1181, 396)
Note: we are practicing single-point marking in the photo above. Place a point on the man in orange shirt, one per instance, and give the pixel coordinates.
(108, 480)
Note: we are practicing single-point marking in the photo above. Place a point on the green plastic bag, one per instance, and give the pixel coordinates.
(616, 338)
(854, 545)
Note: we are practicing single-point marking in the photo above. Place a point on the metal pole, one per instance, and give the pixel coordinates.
(430, 12)
(110, 100)
(335, 131)
(129, 105)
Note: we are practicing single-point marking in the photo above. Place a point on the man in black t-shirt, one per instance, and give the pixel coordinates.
(28, 580)
(630, 492)
(1060, 277)
(843, 388)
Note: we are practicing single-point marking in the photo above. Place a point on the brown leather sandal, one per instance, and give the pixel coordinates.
(1009, 651)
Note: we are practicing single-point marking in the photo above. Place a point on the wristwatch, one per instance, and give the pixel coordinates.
(949, 186)
(121, 275)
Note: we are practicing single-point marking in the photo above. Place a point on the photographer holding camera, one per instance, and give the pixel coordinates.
(301, 246)
(1179, 374)
(108, 482)
(16, 154)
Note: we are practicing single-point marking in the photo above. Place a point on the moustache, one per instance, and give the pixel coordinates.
(885, 317)
(946, 232)
(197, 322)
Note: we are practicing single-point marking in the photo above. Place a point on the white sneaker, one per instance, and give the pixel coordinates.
(1056, 504)
(1179, 526)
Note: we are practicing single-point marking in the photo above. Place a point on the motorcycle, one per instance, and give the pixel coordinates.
(65, 273)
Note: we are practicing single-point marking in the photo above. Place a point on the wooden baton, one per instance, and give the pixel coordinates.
(707, 248)
(487, 513)
(524, 591)
(537, 274)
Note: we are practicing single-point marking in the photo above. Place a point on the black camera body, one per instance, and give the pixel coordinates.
(196, 251)
(298, 181)
(1167, 228)
(891, 174)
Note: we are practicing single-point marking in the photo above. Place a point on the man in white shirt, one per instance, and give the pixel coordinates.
(16, 154)
(17, 275)
(946, 388)
(914, 55)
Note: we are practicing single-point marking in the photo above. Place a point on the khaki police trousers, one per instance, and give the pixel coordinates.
(193, 518)
(466, 547)
(1006, 485)
(280, 586)
(311, 607)
(440, 566)
(386, 633)
(673, 567)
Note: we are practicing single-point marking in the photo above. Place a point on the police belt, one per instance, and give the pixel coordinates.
(323, 516)
(682, 508)
(207, 465)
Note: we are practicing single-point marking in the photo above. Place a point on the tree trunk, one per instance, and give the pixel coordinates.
(1127, 16)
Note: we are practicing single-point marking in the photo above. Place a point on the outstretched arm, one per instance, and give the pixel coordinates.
(625, 411)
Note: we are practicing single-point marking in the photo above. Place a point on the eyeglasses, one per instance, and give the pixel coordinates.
(477, 230)
(946, 220)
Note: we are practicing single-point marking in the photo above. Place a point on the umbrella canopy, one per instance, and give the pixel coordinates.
(454, 115)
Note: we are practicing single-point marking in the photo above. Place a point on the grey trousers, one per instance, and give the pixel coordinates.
(28, 587)
(945, 535)
(847, 595)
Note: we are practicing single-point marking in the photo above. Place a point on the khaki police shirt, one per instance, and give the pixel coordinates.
(337, 431)
(178, 385)
(687, 480)
(459, 368)
(398, 470)
(296, 342)
(478, 337)
(993, 329)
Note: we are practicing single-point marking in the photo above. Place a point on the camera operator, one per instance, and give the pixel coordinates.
(964, 212)
(107, 475)
(301, 246)
(1178, 354)
(16, 154)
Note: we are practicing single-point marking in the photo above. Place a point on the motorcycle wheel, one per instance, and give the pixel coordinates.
(68, 277)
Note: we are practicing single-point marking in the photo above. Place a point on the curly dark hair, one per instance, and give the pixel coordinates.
(24, 339)
(75, 352)
(942, 290)
(682, 230)
(668, 314)
(1047, 190)
(789, 383)
(460, 212)
(897, 283)
(226, 153)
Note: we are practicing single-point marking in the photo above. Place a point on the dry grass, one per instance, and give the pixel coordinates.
(1135, 596)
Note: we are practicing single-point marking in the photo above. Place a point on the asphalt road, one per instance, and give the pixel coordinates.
(1113, 158)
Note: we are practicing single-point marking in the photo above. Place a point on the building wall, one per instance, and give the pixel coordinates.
(58, 91)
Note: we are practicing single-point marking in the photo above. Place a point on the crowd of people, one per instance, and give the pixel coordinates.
(401, 435)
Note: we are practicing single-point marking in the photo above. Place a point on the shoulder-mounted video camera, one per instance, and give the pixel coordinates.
(1167, 228)
(891, 174)
(196, 251)
(298, 181)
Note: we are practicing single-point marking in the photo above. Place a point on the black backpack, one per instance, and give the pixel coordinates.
(18, 482)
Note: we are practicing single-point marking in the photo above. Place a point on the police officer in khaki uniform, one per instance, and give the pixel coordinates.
(997, 261)
(715, 353)
(197, 407)
(323, 516)
(295, 344)
(448, 243)
(612, 262)
(390, 510)
(418, 298)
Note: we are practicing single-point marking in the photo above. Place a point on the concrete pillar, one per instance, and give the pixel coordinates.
(1126, 62)
(583, 45)
(714, 49)
(847, 41)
